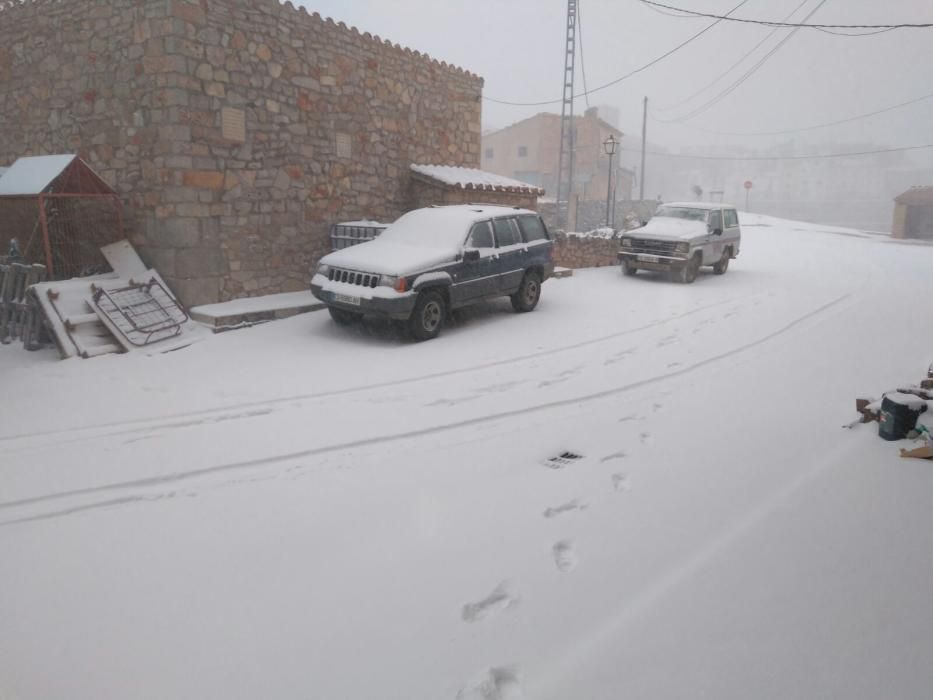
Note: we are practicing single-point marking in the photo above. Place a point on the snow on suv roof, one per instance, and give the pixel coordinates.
(697, 205)
(443, 227)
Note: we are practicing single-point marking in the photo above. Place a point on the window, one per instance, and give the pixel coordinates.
(688, 213)
(532, 228)
(489, 153)
(732, 219)
(506, 232)
(522, 151)
(480, 236)
(715, 219)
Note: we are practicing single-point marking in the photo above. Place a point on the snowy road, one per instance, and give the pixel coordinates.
(303, 510)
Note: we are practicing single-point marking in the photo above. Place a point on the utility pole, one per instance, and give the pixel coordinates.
(644, 136)
(567, 151)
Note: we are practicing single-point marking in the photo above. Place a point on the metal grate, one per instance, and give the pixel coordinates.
(351, 234)
(351, 277)
(562, 460)
(143, 313)
(652, 247)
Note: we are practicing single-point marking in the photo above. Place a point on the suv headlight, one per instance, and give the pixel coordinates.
(323, 269)
(388, 281)
(683, 248)
(626, 242)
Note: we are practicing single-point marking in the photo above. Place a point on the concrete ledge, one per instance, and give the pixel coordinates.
(249, 311)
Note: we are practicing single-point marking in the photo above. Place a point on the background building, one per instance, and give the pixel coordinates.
(529, 151)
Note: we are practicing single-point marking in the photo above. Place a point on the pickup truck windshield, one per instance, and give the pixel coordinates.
(683, 213)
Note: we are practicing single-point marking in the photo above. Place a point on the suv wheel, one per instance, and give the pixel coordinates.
(344, 318)
(688, 273)
(529, 292)
(428, 317)
(723, 264)
(628, 269)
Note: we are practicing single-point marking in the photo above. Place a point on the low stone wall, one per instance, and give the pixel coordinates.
(576, 251)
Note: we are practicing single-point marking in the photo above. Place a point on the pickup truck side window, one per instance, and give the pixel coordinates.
(532, 228)
(732, 218)
(480, 236)
(506, 232)
(715, 219)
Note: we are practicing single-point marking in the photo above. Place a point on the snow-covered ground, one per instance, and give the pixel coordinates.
(305, 510)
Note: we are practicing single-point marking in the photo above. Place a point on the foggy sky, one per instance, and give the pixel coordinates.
(517, 46)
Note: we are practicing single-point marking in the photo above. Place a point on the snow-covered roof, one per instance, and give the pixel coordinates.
(699, 205)
(473, 179)
(32, 174)
(916, 195)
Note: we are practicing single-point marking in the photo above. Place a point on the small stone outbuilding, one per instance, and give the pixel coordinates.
(448, 184)
(913, 214)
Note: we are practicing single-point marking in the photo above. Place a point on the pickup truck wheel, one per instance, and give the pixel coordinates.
(688, 273)
(428, 316)
(344, 318)
(628, 269)
(528, 294)
(723, 264)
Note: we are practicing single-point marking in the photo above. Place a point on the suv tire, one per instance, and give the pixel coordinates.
(688, 273)
(723, 264)
(628, 269)
(343, 318)
(428, 316)
(528, 294)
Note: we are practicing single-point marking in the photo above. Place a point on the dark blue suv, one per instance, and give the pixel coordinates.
(436, 259)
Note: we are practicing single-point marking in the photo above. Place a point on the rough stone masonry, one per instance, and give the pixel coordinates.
(236, 131)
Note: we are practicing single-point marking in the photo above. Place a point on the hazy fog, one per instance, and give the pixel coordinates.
(816, 77)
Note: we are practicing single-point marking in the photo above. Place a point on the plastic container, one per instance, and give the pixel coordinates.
(899, 413)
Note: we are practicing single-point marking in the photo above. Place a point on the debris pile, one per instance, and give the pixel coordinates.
(898, 413)
(125, 310)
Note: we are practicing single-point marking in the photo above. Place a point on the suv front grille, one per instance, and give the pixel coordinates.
(351, 277)
(652, 247)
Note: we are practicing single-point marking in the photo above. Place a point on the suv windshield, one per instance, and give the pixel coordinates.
(683, 213)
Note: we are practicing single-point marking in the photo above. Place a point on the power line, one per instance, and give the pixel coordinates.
(734, 65)
(809, 128)
(624, 77)
(768, 23)
(586, 94)
(765, 158)
(748, 74)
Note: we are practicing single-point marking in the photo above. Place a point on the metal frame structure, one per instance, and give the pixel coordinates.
(64, 225)
(142, 313)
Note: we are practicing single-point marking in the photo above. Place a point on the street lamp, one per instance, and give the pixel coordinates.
(609, 145)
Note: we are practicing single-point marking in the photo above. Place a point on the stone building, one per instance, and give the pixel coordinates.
(529, 151)
(444, 184)
(236, 131)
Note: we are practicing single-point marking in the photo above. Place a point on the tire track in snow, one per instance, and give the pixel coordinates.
(177, 477)
(209, 415)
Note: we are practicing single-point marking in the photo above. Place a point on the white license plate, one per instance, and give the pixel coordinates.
(347, 299)
(649, 258)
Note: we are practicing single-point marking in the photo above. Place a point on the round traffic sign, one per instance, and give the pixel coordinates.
(748, 184)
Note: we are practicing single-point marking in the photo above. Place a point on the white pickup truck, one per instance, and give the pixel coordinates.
(680, 238)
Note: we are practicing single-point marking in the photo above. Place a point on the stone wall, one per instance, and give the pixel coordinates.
(425, 193)
(576, 251)
(236, 130)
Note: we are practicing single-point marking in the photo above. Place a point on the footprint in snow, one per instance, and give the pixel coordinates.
(496, 388)
(452, 402)
(564, 556)
(497, 683)
(567, 507)
(562, 377)
(619, 356)
(667, 341)
(501, 598)
(620, 482)
(615, 455)
(629, 417)
(645, 438)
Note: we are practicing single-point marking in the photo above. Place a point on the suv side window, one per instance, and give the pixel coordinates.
(532, 228)
(732, 218)
(506, 232)
(480, 236)
(715, 219)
